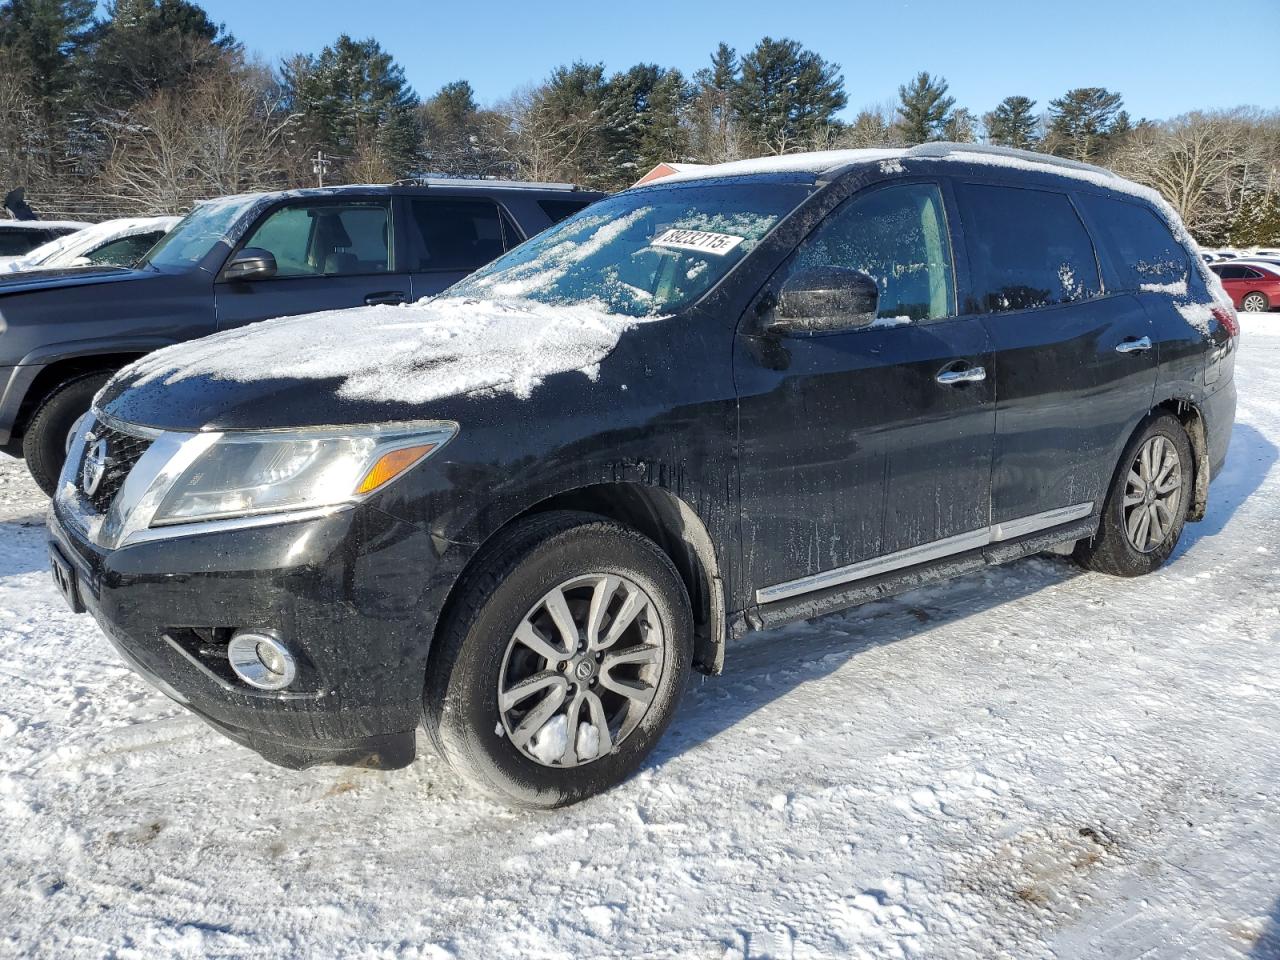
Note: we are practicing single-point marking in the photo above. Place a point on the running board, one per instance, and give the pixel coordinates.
(863, 590)
(925, 552)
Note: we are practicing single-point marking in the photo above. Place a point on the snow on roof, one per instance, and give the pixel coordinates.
(818, 161)
(43, 224)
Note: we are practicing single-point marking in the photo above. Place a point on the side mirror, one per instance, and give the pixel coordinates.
(825, 298)
(251, 263)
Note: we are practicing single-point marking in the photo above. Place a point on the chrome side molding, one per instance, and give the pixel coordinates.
(935, 550)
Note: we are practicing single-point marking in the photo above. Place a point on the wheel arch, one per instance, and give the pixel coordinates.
(1192, 420)
(44, 380)
(672, 524)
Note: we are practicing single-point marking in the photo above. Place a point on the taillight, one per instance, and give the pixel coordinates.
(1227, 317)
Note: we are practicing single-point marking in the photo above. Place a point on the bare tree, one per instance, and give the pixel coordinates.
(225, 135)
(1205, 164)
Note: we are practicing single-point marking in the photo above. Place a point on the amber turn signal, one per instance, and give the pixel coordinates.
(390, 465)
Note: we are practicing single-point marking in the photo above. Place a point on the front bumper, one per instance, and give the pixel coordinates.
(355, 595)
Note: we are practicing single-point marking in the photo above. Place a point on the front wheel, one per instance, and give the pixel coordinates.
(561, 662)
(49, 434)
(1146, 507)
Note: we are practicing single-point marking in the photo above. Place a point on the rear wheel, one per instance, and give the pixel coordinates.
(562, 661)
(1146, 507)
(1255, 303)
(45, 441)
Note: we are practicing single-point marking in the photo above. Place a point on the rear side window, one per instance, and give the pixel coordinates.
(1028, 248)
(126, 251)
(1139, 242)
(14, 243)
(897, 236)
(454, 235)
(1232, 273)
(557, 209)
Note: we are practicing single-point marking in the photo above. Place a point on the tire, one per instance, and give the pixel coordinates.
(44, 444)
(1114, 550)
(478, 656)
(1255, 303)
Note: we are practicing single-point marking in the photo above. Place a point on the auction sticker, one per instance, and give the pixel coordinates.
(703, 241)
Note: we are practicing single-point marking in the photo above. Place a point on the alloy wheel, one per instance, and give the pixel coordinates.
(1254, 303)
(581, 670)
(1152, 494)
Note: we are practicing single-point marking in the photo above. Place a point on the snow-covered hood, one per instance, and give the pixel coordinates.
(371, 358)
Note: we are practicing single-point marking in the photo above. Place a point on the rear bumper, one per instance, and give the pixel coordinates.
(1219, 412)
(354, 595)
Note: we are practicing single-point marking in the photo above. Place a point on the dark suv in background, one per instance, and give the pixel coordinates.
(520, 513)
(240, 259)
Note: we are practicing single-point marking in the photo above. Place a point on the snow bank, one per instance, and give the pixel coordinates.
(415, 354)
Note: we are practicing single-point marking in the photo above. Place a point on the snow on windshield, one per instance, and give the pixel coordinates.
(640, 254)
(427, 351)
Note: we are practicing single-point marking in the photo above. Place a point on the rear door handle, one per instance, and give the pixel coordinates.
(949, 378)
(1134, 346)
(386, 297)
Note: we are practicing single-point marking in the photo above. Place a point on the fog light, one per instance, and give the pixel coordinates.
(261, 660)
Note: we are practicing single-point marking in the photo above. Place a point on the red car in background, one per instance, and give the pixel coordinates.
(1254, 287)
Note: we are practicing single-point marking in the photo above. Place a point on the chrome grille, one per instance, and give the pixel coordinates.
(124, 450)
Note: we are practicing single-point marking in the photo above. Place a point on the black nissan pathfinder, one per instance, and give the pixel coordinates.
(518, 514)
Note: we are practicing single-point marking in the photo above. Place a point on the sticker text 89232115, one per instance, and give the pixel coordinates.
(703, 241)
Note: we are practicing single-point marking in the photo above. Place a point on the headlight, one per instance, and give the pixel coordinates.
(244, 474)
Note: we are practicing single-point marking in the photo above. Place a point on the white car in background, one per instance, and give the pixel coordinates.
(20, 237)
(111, 243)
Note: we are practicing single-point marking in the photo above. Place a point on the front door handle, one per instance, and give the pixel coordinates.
(949, 378)
(1140, 345)
(386, 297)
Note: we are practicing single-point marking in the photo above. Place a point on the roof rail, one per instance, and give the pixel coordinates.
(946, 148)
(486, 182)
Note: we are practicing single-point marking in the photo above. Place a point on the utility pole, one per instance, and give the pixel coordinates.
(320, 164)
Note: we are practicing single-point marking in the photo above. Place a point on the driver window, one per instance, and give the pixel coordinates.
(325, 240)
(898, 236)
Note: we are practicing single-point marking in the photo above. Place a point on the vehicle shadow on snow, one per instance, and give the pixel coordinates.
(1267, 946)
(763, 667)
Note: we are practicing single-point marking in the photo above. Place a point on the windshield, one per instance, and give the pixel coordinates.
(198, 232)
(642, 253)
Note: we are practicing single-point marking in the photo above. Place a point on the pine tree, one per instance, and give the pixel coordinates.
(640, 121)
(40, 44)
(352, 99)
(143, 46)
(786, 96)
(924, 108)
(45, 35)
(460, 139)
(712, 125)
(1012, 124)
(1081, 120)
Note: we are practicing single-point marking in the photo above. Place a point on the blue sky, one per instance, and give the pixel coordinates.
(1165, 58)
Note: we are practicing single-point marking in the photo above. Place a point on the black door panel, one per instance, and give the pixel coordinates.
(1067, 399)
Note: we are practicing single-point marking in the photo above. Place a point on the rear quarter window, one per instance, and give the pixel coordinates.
(1138, 243)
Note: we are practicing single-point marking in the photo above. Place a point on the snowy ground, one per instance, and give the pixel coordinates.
(1031, 762)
